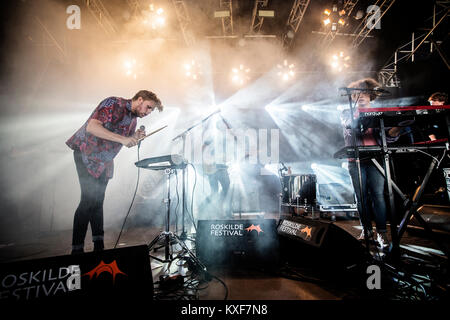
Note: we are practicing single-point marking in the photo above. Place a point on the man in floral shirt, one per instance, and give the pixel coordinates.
(111, 126)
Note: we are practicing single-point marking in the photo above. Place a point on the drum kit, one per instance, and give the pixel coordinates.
(299, 194)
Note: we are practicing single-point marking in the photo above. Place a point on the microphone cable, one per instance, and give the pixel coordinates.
(191, 213)
(132, 201)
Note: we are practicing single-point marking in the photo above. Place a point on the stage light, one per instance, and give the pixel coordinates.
(306, 107)
(192, 70)
(266, 13)
(130, 68)
(222, 14)
(359, 14)
(155, 18)
(160, 21)
(332, 18)
(286, 71)
(129, 63)
(340, 61)
(240, 75)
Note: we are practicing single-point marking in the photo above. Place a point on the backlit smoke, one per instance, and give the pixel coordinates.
(54, 78)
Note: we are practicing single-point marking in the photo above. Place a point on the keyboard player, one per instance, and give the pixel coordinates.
(436, 99)
(373, 183)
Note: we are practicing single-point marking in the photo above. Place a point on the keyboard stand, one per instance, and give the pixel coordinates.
(412, 211)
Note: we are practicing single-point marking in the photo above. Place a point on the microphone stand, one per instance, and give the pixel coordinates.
(182, 135)
(358, 164)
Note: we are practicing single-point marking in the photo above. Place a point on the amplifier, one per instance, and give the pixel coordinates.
(336, 197)
(315, 242)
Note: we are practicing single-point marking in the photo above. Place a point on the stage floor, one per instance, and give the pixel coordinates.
(241, 283)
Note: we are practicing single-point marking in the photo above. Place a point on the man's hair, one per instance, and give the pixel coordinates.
(366, 83)
(148, 95)
(439, 96)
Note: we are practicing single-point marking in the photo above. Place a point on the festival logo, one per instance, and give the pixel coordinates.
(307, 231)
(292, 228)
(253, 227)
(111, 268)
(40, 282)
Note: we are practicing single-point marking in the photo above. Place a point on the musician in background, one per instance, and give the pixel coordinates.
(215, 168)
(436, 99)
(373, 183)
(110, 126)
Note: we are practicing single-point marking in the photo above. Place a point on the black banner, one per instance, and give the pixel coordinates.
(111, 274)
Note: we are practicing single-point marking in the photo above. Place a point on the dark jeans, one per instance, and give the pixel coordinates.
(220, 176)
(90, 209)
(373, 185)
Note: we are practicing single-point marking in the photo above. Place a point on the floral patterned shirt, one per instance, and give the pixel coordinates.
(98, 154)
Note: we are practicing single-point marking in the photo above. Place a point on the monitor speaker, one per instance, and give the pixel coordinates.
(309, 242)
(237, 242)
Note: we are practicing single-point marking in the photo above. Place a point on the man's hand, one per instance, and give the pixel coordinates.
(395, 131)
(139, 134)
(129, 141)
(95, 127)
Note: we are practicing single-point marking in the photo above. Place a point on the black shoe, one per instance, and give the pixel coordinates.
(382, 239)
(361, 236)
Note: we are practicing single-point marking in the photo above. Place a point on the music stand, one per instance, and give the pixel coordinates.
(169, 237)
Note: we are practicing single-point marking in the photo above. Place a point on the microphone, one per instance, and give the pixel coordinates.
(142, 128)
(284, 167)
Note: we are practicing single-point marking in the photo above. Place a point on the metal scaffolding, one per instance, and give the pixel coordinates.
(363, 29)
(387, 76)
(227, 22)
(104, 19)
(295, 18)
(135, 7)
(257, 21)
(185, 21)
